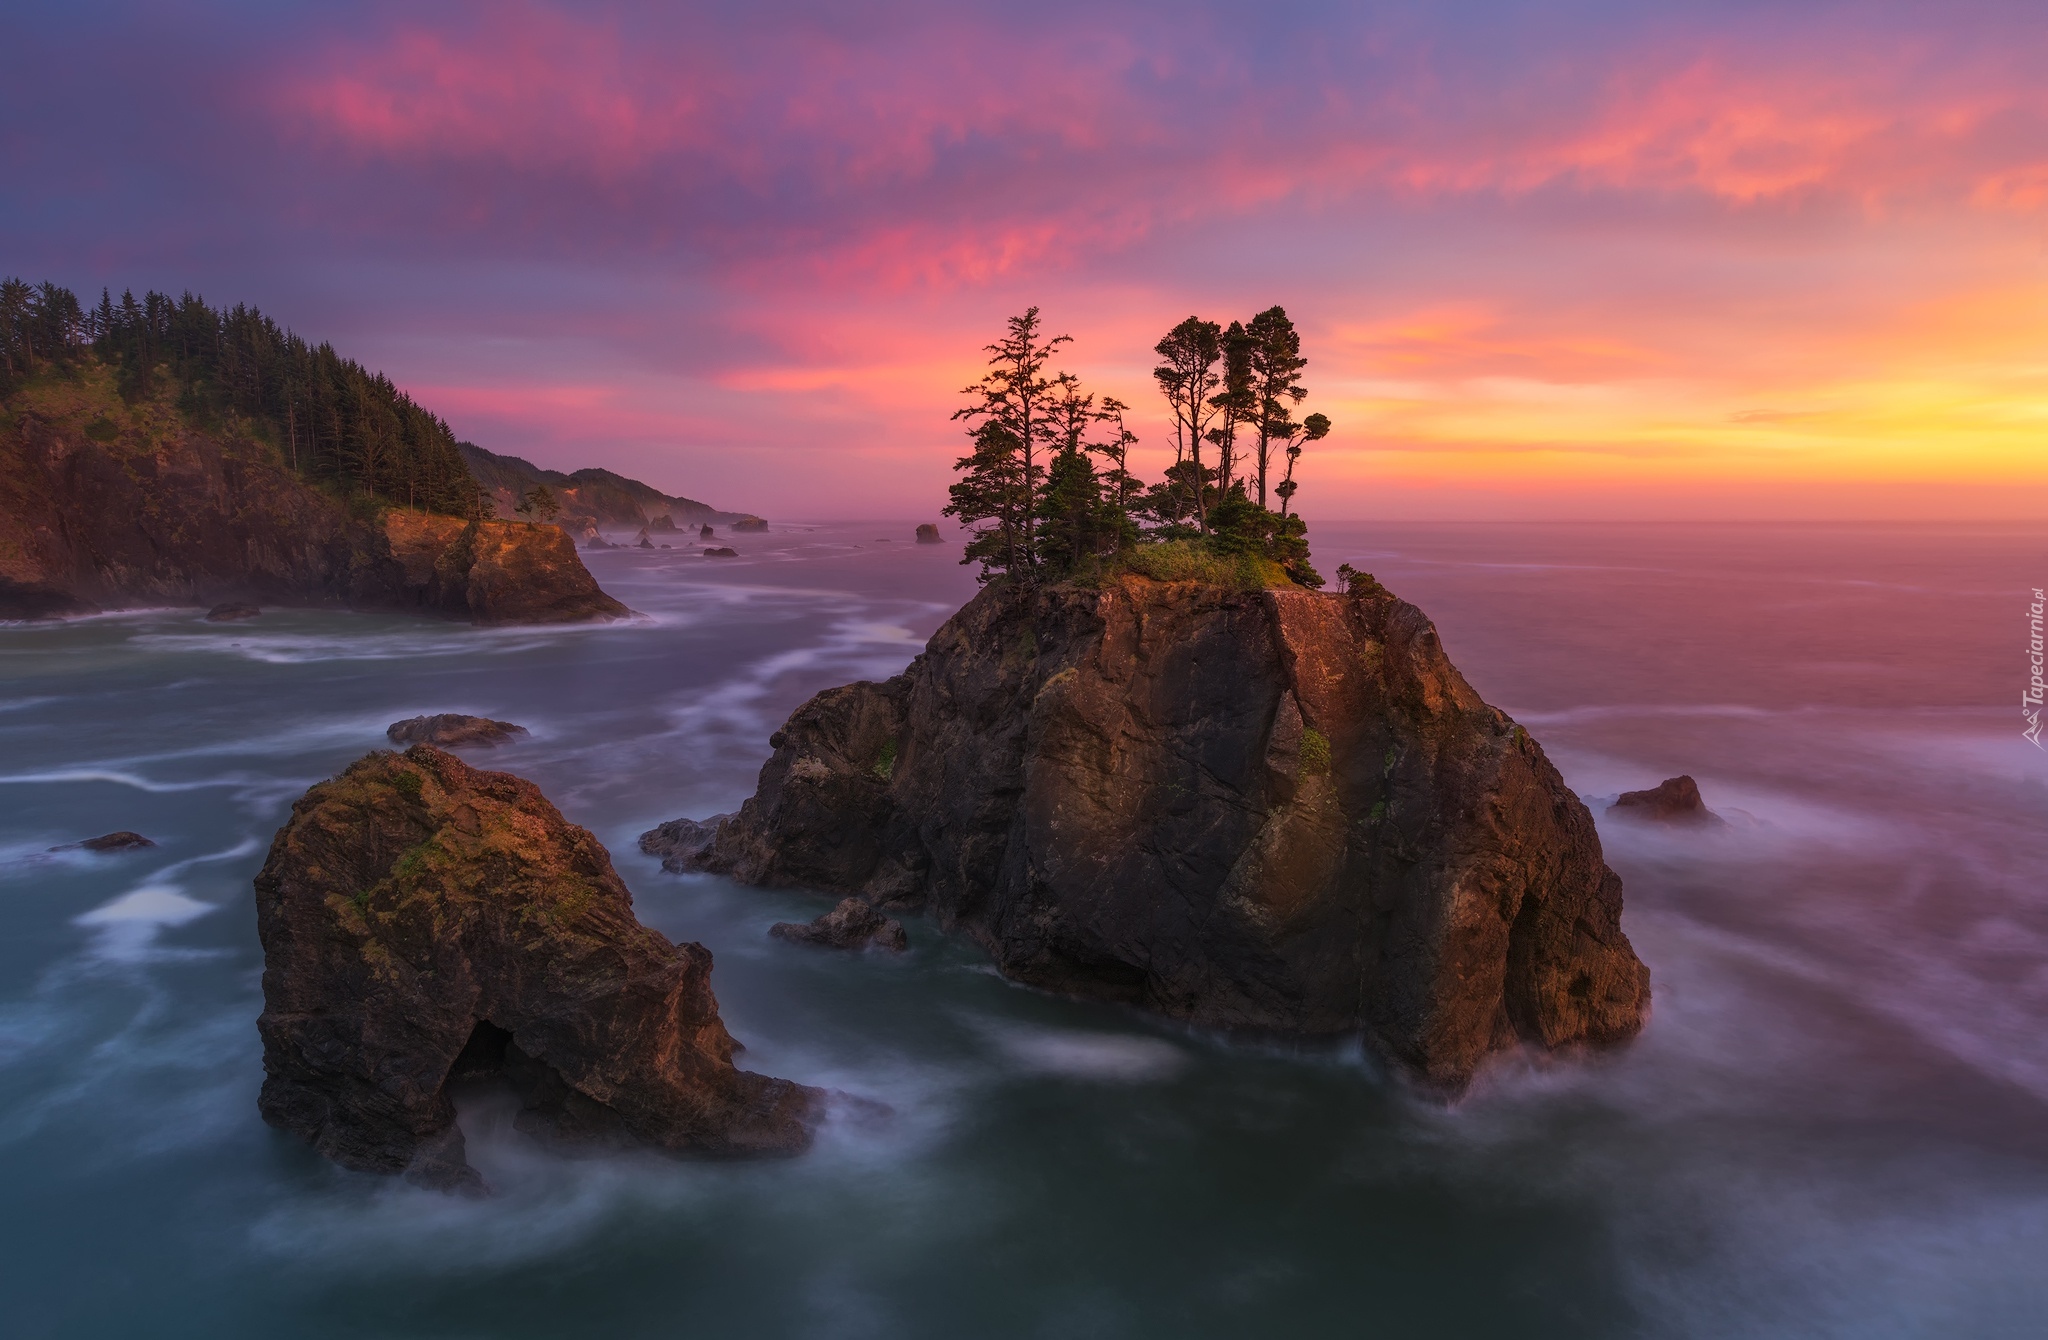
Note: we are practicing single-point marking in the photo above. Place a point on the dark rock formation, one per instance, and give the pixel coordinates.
(452, 728)
(853, 924)
(1272, 810)
(40, 600)
(705, 533)
(1675, 800)
(662, 524)
(749, 523)
(681, 842)
(721, 553)
(233, 611)
(641, 541)
(121, 841)
(425, 922)
(928, 534)
(105, 503)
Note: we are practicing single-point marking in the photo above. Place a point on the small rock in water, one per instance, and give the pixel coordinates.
(1675, 800)
(928, 534)
(121, 841)
(452, 728)
(681, 843)
(749, 523)
(706, 533)
(721, 553)
(231, 611)
(854, 924)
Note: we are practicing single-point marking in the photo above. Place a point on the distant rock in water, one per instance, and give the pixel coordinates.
(705, 533)
(452, 728)
(121, 841)
(1272, 810)
(853, 924)
(642, 542)
(662, 524)
(928, 534)
(424, 922)
(232, 611)
(721, 553)
(1675, 800)
(598, 542)
(749, 523)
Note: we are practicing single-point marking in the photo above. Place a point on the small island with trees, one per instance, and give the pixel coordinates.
(1047, 489)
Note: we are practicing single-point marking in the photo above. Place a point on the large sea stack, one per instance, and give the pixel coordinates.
(1273, 810)
(425, 922)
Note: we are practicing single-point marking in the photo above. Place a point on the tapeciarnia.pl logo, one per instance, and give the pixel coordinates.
(2030, 700)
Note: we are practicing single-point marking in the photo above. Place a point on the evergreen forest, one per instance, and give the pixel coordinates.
(336, 423)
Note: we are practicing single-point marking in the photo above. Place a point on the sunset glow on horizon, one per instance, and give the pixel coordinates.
(1590, 260)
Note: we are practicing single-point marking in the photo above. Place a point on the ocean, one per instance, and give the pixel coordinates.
(1835, 1124)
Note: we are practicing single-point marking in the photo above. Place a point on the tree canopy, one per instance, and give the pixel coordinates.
(1047, 489)
(333, 420)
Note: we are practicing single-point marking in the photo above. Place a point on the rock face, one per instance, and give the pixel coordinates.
(1270, 810)
(853, 924)
(452, 728)
(105, 503)
(494, 572)
(1675, 800)
(423, 921)
(928, 534)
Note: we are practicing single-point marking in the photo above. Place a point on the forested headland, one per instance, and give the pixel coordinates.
(1048, 491)
(334, 422)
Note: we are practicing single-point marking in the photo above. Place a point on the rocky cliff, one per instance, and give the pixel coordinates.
(424, 923)
(1270, 810)
(106, 503)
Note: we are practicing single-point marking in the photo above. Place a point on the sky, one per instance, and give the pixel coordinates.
(1561, 261)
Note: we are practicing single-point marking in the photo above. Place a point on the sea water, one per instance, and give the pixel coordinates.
(1836, 1123)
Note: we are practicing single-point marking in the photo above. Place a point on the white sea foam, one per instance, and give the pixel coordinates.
(1110, 1057)
(129, 925)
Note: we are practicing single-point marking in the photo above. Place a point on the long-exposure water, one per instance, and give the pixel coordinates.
(1836, 1123)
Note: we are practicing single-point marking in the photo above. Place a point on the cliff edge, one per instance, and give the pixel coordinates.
(1271, 810)
(109, 503)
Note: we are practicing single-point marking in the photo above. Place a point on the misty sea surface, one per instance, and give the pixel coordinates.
(1835, 1124)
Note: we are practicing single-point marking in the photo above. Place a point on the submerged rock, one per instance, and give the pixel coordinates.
(721, 553)
(121, 841)
(425, 922)
(1675, 800)
(928, 534)
(452, 728)
(1272, 810)
(232, 611)
(853, 924)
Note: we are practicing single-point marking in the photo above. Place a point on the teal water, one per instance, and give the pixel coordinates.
(1834, 1125)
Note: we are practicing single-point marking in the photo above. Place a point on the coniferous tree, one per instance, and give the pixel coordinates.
(1016, 396)
(1187, 378)
(993, 499)
(1274, 352)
